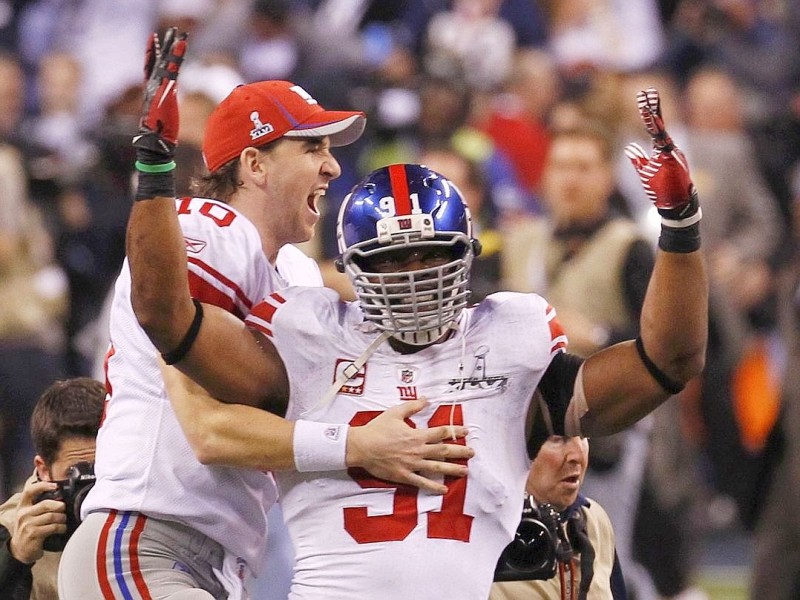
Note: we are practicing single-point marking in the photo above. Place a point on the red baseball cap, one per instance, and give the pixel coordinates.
(255, 114)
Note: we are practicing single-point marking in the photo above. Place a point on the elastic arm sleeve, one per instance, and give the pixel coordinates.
(556, 390)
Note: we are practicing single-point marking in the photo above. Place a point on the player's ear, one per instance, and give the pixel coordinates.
(251, 165)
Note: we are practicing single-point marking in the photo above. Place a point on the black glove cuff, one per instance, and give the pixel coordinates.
(152, 149)
(685, 212)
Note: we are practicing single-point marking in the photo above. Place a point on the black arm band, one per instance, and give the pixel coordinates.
(665, 382)
(180, 351)
(680, 240)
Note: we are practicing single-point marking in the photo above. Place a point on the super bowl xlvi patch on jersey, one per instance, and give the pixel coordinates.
(354, 386)
(480, 377)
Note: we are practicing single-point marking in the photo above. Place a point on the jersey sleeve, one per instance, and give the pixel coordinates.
(294, 316)
(532, 323)
(304, 324)
(297, 268)
(558, 339)
(529, 320)
(227, 266)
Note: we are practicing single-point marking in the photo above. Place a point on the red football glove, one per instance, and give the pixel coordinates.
(158, 128)
(665, 173)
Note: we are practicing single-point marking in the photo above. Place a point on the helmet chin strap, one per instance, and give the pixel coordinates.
(348, 372)
(354, 367)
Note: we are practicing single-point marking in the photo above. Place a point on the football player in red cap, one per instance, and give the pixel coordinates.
(158, 521)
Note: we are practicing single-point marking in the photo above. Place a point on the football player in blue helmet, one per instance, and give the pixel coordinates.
(406, 243)
(405, 237)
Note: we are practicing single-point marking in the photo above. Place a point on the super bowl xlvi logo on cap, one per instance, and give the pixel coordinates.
(259, 129)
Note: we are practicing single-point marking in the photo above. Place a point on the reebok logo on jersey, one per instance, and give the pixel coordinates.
(194, 246)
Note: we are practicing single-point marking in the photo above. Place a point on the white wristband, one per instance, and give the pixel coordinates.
(680, 224)
(319, 446)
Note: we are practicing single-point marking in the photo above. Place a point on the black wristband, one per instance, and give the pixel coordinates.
(183, 348)
(680, 240)
(667, 384)
(153, 185)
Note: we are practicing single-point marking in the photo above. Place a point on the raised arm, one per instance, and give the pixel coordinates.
(207, 343)
(627, 381)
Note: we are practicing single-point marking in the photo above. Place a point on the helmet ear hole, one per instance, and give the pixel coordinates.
(476, 247)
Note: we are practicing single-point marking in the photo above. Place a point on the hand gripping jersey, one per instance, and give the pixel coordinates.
(359, 537)
(144, 462)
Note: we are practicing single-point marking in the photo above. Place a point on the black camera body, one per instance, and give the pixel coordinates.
(539, 544)
(71, 491)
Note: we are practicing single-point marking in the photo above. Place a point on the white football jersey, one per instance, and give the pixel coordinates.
(359, 537)
(144, 462)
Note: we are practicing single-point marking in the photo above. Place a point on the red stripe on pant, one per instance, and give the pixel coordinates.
(134, 552)
(102, 571)
(133, 555)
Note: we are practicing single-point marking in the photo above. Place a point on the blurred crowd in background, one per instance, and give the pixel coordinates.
(478, 90)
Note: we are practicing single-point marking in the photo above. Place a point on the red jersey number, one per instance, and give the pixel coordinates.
(221, 215)
(449, 522)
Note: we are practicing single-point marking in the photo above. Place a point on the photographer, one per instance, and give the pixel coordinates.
(571, 549)
(64, 426)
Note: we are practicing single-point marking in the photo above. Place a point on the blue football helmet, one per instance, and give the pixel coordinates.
(407, 215)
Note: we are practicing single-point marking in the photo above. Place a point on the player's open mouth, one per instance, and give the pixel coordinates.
(313, 200)
(573, 479)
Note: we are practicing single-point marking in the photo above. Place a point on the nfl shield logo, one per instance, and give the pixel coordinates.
(407, 375)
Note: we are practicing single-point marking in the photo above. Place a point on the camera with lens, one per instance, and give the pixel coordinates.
(71, 491)
(539, 544)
